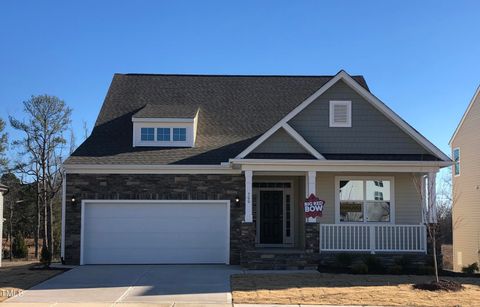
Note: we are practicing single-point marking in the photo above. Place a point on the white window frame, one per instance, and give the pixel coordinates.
(455, 162)
(347, 103)
(154, 134)
(364, 179)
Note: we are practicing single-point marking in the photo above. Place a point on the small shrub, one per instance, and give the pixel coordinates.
(19, 248)
(45, 257)
(404, 261)
(343, 260)
(359, 268)
(395, 269)
(374, 264)
(470, 269)
(426, 270)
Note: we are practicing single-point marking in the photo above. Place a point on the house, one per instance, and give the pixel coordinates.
(3, 190)
(465, 144)
(216, 169)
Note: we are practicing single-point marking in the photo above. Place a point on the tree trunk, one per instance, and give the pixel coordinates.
(37, 226)
(11, 231)
(434, 245)
(50, 226)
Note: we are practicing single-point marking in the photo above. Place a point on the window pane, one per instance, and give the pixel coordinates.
(147, 134)
(378, 211)
(163, 134)
(351, 211)
(378, 190)
(351, 190)
(456, 155)
(179, 134)
(457, 168)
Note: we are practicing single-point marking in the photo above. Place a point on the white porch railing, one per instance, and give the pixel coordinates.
(373, 238)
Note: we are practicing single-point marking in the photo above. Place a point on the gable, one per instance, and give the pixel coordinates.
(280, 142)
(468, 126)
(371, 131)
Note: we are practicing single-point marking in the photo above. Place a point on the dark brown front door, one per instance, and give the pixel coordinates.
(271, 217)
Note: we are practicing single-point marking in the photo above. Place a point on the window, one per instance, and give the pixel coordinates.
(147, 134)
(180, 134)
(456, 160)
(340, 113)
(163, 134)
(365, 200)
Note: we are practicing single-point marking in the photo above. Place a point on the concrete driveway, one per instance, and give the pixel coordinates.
(165, 285)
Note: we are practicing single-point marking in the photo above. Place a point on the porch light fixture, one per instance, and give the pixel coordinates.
(237, 199)
(74, 200)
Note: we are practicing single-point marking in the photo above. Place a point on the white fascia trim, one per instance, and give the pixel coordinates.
(294, 134)
(163, 120)
(149, 169)
(477, 93)
(257, 166)
(338, 162)
(342, 75)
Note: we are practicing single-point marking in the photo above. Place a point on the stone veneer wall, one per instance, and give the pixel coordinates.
(147, 187)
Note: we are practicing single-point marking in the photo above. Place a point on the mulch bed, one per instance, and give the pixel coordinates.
(441, 285)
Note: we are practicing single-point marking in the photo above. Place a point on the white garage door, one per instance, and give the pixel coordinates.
(149, 232)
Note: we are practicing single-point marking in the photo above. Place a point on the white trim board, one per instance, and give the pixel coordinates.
(477, 94)
(342, 75)
(148, 169)
(160, 202)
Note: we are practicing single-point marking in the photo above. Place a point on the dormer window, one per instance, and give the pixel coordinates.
(147, 134)
(165, 126)
(163, 134)
(179, 134)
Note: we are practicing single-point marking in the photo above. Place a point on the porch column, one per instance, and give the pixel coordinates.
(311, 183)
(248, 197)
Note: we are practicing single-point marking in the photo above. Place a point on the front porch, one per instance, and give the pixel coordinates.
(276, 234)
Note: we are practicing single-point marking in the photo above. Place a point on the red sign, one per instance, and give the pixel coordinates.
(313, 206)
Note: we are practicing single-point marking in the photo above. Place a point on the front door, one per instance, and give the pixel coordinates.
(271, 213)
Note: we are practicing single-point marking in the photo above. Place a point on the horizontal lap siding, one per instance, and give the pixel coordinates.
(371, 131)
(466, 191)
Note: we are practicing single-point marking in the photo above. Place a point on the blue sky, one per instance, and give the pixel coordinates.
(419, 57)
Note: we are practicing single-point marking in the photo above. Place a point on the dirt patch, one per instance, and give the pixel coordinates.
(18, 276)
(346, 289)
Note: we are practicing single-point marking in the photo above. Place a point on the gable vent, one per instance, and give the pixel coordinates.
(340, 113)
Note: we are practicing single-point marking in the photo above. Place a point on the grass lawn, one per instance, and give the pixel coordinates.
(340, 289)
(17, 276)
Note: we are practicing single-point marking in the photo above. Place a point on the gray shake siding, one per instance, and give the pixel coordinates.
(371, 131)
(280, 142)
(179, 187)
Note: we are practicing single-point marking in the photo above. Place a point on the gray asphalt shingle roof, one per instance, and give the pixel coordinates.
(167, 111)
(233, 112)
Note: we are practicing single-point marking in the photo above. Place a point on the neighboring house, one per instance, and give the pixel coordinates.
(465, 144)
(215, 169)
(3, 190)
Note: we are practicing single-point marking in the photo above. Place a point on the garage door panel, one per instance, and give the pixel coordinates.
(155, 232)
(159, 240)
(105, 225)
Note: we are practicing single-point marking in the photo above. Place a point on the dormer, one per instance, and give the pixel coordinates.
(165, 126)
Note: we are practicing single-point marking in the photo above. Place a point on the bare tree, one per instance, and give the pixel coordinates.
(426, 188)
(3, 147)
(42, 145)
(85, 130)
